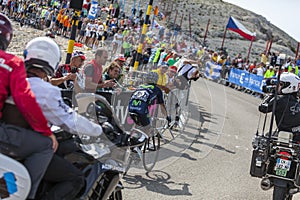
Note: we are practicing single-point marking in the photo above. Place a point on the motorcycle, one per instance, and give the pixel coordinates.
(14, 179)
(103, 170)
(275, 156)
(276, 162)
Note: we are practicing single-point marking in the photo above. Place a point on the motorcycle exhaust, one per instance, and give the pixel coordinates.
(266, 184)
(112, 185)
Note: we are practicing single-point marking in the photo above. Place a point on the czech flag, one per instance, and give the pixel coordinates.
(235, 26)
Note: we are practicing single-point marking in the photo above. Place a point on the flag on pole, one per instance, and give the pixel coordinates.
(235, 26)
(212, 70)
(93, 10)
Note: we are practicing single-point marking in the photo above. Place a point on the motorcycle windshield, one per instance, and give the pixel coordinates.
(110, 149)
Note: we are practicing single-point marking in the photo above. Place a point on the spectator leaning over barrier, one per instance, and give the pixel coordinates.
(173, 59)
(171, 74)
(120, 60)
(263, 57)
(260, 69)
(270, 72)
(67, 72)
(239, 61)
(222, 62)
(252, 67)
(227, 67)
(273, 59)
(90, 78)
(186, 72)
(162, 57)
(111, 72)
(293, 68)
(214, 57)
(162, 76)
(157, 54)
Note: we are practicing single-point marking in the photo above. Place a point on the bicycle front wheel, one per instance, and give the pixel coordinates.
(150, 152)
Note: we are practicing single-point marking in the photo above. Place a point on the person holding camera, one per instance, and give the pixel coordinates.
(66, 73)
(111, 72)
(287, 113)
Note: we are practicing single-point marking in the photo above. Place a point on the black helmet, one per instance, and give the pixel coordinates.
(152, 78)
(6, 32)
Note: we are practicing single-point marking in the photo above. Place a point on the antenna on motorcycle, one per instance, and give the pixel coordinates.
(258, 124)
(273, 109)
(265, 120)
(264, 124)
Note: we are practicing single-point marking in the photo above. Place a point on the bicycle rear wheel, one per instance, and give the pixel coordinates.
(151, 152)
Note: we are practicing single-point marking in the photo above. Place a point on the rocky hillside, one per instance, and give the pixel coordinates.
(219, 12)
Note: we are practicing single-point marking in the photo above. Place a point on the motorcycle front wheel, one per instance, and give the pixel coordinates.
(116, 195)
(100, 187)
(281, 193)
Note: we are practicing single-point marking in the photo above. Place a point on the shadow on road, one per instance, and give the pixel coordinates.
(157, 182)
(205, 117)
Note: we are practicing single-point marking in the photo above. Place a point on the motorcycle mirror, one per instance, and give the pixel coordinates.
(90, 110)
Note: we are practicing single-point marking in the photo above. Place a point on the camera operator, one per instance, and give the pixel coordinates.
(287, 113)
(66, 73)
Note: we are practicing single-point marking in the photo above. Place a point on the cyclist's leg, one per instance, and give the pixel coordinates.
(145, 125)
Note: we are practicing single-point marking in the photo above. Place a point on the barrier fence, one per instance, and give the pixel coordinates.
(236, 76)
(176, 103)
(246, 79)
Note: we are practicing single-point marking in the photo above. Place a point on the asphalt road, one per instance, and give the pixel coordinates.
(211, 159)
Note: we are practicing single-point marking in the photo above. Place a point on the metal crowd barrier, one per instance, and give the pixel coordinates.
(176, 103)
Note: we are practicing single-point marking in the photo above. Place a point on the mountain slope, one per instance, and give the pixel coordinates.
(219, 12)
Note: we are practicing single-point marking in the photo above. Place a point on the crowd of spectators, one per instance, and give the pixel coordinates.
(163, 51)
(266, 65)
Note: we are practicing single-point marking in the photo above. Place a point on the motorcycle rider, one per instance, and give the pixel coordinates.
(287, 113)
(36, 150)
(42, 56)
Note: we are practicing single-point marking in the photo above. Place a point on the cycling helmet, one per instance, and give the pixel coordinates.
(6, 32)
(290, 83)
(44, 53)
(152, 77)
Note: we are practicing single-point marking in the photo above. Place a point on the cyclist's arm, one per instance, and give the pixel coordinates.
(161, 102)
(163, 109)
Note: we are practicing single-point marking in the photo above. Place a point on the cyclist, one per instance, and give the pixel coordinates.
(142, 98)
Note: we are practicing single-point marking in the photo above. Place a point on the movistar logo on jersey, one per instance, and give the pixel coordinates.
(136, 102)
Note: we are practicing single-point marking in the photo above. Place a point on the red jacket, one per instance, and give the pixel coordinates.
(13, 82)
